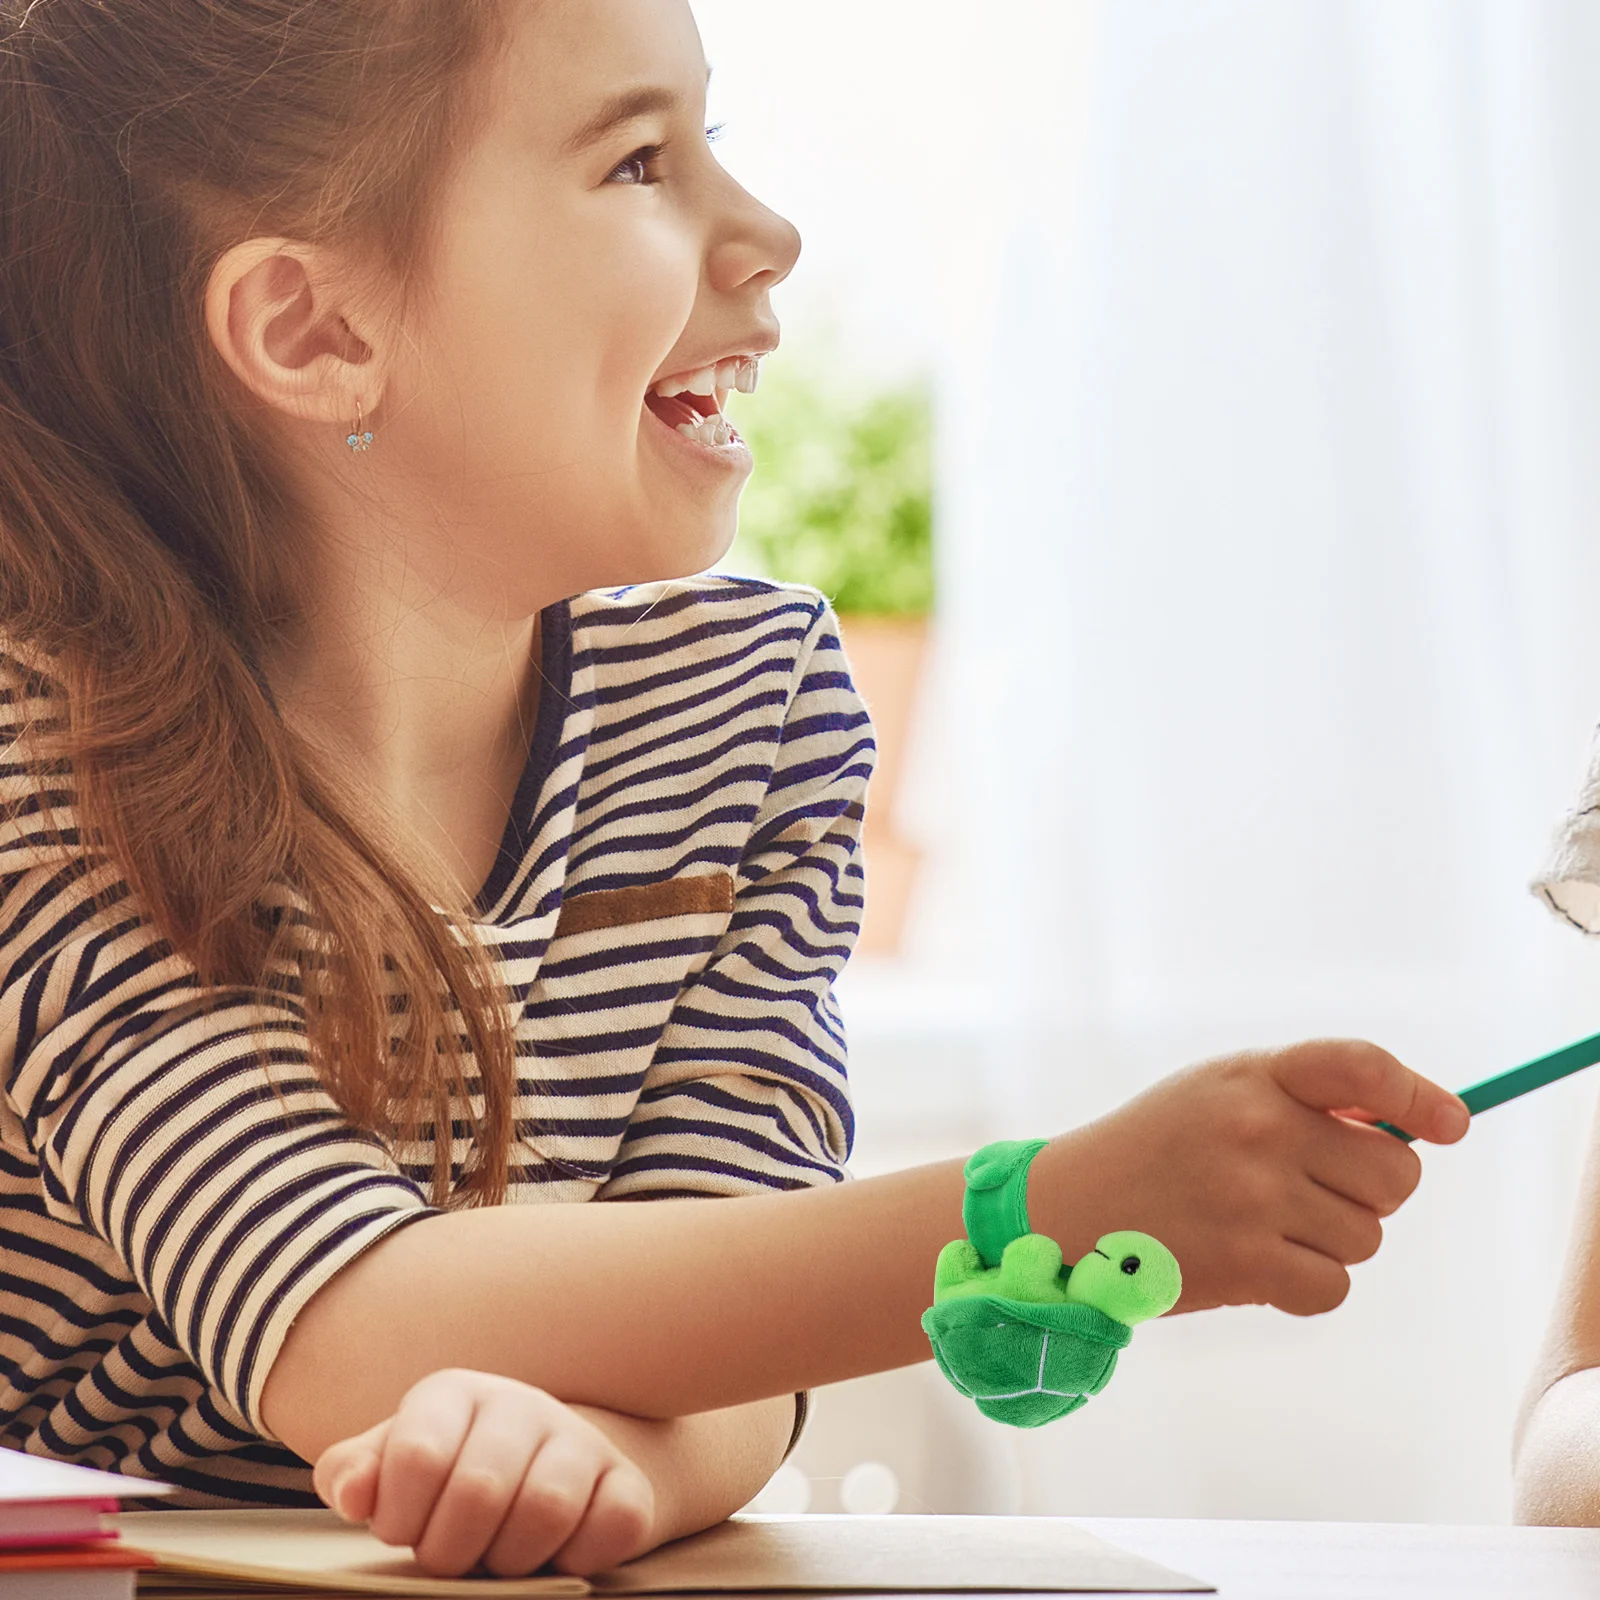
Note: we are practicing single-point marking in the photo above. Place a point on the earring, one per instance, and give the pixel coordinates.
(361, 440)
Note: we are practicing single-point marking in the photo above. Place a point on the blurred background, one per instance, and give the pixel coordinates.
(1191, 405)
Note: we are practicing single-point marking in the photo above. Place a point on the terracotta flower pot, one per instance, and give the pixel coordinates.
(886, 659)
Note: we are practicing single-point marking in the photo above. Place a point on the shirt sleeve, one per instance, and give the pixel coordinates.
(185, 1128)
(748, 1091)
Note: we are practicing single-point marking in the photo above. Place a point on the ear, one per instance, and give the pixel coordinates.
(276, 320)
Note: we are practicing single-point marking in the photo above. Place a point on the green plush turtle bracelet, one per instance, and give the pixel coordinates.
(1024, 1336)
(995, 1209)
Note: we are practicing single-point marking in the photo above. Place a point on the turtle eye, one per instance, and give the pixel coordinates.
(1130, 1265)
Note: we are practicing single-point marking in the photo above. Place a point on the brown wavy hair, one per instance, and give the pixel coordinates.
(148, 536)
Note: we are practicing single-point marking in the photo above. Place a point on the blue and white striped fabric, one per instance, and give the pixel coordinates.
(677, 891)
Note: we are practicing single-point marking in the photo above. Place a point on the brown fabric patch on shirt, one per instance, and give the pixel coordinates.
(705, 894)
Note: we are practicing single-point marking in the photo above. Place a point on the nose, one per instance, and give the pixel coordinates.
(755, 248)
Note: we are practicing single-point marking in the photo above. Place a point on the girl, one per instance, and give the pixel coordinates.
(1557, 1474)
(377, 864)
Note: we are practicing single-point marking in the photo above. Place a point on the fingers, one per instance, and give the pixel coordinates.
(1365, 1165)
(425, 1436)
(617, 1525)
(476, 1470)
(512, 1480)
(346, 1474)
(1307, 1283)
(1261, 1172)
(1341, 1075)
(1334, 1227)
(579, 1503)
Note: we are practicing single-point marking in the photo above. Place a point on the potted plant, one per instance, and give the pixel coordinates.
(842, 499)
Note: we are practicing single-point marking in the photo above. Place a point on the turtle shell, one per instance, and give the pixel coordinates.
(1024, 1364)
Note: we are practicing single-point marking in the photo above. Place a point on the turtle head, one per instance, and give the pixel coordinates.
(1129, 1276)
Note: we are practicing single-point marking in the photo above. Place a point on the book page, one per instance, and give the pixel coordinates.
(925, 1555)
(298, 1551)
(285, 1552)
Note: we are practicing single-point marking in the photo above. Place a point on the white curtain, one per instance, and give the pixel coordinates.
(1272, 560)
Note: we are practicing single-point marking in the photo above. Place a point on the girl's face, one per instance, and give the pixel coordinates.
(591, 253)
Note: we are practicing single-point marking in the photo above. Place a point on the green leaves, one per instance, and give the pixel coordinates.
(842, 496)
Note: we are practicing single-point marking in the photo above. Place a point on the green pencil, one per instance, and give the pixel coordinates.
(1522, 1080)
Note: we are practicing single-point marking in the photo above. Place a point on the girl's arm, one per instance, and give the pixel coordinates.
(1556, 1453)
(681, 1307)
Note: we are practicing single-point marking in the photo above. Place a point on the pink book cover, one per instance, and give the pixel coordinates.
(30, 1523)
(53, 1503)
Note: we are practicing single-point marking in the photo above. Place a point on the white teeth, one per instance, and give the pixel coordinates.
(741, 372)
(713, 432)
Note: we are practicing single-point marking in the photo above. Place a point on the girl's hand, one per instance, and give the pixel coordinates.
(480, 1471)
(1260, 1172)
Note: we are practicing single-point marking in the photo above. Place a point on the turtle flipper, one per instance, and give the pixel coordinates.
(1030, 1270)
(959, 1264)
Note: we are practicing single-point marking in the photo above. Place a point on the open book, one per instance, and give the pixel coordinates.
(223, 1555)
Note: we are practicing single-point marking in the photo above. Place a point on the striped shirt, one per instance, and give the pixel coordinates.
(678, 887)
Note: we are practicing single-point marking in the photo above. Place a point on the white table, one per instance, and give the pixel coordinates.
(1351, 1560)
(1369, 1561)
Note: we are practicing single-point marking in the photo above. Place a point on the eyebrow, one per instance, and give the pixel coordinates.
(620, 109)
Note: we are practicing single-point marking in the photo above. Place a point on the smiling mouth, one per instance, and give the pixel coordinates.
(692, 402)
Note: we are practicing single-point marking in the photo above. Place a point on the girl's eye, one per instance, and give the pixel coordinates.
(639, 168)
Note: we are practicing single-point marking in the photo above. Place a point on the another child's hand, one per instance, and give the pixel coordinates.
(475, 1470)
(1258, 1171)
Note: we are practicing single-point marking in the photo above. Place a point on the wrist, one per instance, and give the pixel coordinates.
(701, 1469)
(1073, 1192)
(646, 1442)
